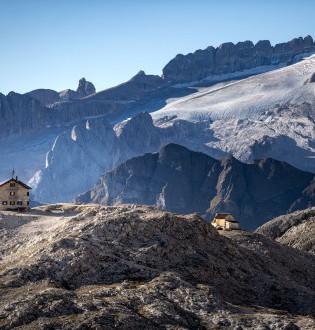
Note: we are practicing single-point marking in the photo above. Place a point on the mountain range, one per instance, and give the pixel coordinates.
(249, 101)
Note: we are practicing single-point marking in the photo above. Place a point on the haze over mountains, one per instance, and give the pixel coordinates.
(265, 115)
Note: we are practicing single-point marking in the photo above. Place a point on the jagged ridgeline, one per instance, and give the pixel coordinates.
(229, 58)
(22, 112)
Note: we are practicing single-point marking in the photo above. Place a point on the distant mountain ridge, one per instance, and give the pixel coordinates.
(69, 106)
(48, 97)
(229, 58)
(179, 180)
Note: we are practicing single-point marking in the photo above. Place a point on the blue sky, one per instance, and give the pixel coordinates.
(53, 43)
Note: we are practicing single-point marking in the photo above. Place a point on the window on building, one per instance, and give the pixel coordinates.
(12, 202)
(12, 193)
(12, 184)
(27, 194)
(28, 203)
(19, 202)
(4, 203)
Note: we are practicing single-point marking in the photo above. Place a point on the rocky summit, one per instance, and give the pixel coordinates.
(296, 229)
(179, 180)
(68, 266)
(85, 88)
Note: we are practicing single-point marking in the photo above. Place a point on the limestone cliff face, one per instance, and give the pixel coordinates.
(21, 113)
(229, 58)
(81, 155)
(182, 181)
(71, 106)
(76, 157)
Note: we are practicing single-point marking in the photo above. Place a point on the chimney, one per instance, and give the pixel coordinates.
(16, 178)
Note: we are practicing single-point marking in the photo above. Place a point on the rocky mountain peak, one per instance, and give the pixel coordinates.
(171, 148)
(175, 152)
(140, 73)
(85, 88)
(148, 79)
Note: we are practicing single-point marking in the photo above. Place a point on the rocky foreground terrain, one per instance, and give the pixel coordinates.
(70, 266)
(296, 229)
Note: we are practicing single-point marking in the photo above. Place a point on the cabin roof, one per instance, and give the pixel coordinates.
(223, 215)
(16, 181)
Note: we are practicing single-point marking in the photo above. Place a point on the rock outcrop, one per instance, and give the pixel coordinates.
(311, 79)
(295, 229)
(182, 181)
(229, 58)
(85, 88)
(70, 266)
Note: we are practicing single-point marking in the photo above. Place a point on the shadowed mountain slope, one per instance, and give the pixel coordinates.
(183, 181)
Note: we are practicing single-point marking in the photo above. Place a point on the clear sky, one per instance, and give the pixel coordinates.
(53, 43)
